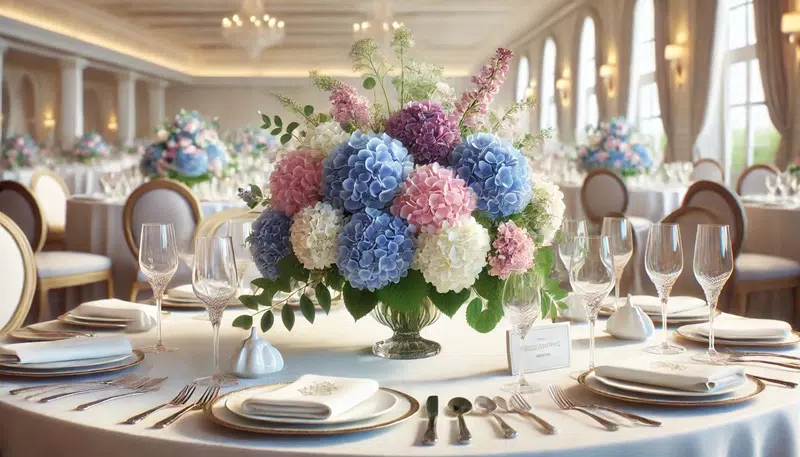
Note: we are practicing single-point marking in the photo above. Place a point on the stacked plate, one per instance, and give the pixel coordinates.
(735, 331)
(71, 367)
(183, 297)
(108, 323)
(680, 310)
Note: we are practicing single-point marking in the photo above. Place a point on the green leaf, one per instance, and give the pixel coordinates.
(369, 83)
(480, 319)
(292, 127)
(267, 321)
(323, 297)
(489, 287)
(250, 301)
(245, 322)
(358, 302)
(275, 131)
(266, 296)
(449, 302)
(322, 117)
(333, 279)
(407, 295)
(287, 316)
(266, 121)
(308, 110)
(256, 191)
(290, 267)
(307, 308)
(285, 138)
(543, 265)
(278, 121)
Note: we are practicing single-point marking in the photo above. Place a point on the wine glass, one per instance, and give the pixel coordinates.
(239, 230)
(664, 263)
(570, 229)
(782, 186)
(713, 265)
(215, 282)
(771, 183)
(522, 306)
(620, 238)
(591, 275)
(158, 260)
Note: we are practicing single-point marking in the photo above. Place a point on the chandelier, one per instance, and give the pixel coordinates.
(252, 29)
(381, 23)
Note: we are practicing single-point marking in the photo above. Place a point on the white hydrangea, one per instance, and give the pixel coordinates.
(451, 257)
(548, 203)
(445, 95)
(314, 235)
(324, 137)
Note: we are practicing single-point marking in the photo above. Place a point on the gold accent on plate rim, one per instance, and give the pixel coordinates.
(96, 370)
(741, 343)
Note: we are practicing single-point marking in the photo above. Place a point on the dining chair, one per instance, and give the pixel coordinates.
(160, 201)
(54, 269)
(603, 193)
(18, 273)
(752, 180)
(708, 170)
(52, 193)
(214, 225)
(688, 218)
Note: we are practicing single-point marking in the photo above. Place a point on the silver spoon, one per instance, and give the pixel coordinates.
(485, 405)
(461, 406)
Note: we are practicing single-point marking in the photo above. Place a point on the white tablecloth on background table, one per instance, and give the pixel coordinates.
(469, 365)
(652, 204)
(80, 178)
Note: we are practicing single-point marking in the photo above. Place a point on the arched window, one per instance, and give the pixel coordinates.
(644, 109)
(587, 78)
(523, 79)
(549, 111)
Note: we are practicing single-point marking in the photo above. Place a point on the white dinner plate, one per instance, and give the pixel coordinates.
(106, 320)
(666, 391)
(686, 332)
(68, 318)
(133, 359)
(723, 327)
(67, 364)
(375, 406)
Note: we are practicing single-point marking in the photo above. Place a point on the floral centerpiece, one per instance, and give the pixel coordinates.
(409, 207)
(91, 146)
(253, 143)
(614, 145)
(188, 150)
(18, 151)
(794, 168)
(137, 147)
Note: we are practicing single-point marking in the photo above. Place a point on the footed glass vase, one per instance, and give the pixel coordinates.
(406, 343)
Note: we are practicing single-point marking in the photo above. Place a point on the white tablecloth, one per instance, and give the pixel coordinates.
(469, 365)
(80, 178)
(649, 203)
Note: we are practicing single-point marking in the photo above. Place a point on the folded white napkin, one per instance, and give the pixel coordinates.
(142, 316)
(745, 328)
(184, 292)
(312, 397)
(675, 305)
(675, 375)
(64, 350)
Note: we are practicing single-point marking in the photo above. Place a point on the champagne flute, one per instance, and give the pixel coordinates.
(591, 275)
(713, 265)
(664, 263)
(158, 260)
(239, 230)
(620, 238)
(771, 183)
(570, 229)
(214, 280)
(522, 306)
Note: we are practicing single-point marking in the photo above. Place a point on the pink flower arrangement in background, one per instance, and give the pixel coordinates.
(296, 182)
(488, 82)
(349, 106)
(513, 251)
(433, 195)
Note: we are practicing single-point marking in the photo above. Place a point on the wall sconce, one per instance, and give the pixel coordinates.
(530, 91)
(112, 123)
(607, 73)
(790, 25)
(562, 86)
(49, 122)
(675, 53)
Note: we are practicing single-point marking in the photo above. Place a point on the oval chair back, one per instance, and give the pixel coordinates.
(708, 170)
(725, 205)
(21, 206)
(17, 276)
(603, 193)
(688, 218)
(753, 180)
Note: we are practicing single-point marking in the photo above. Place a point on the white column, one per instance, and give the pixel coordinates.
(156, 91)
(71, 119)
(3, 47)
(126, 107)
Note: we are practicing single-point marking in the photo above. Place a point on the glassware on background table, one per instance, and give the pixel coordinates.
(771, 183)
(239, 230)
(782, 186)
(664, 264)
(570, 229)
(591, 275)
(158, 260)
(713, 265)
(215, 282)
(522, 306)
(794, 184)
(620, 238)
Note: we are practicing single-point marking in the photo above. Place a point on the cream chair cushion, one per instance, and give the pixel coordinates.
(62, 263)
(758, 267)
(12, 276)
(52, 199)
(166, 207)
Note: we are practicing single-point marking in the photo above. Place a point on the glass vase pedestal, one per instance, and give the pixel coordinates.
(406, 343)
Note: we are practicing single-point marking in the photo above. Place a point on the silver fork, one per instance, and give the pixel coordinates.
(634, 417)
(183, 396)
(208, 396)
(129, 385)
(521, 406)
(49, 387)
(150, 386)
(610, 426)
(760, 353)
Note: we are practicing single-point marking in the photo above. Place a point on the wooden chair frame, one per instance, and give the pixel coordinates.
(733, 203)
(55, 235)
(127, 214)
(672, 217)
(713, 162)
(597, 218)
(750, 169)
(29, 286)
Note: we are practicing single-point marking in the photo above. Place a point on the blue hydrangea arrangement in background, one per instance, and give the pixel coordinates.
(614, 145)
(18, 151)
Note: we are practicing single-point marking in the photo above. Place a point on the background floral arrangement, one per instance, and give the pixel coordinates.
(137, 147)
(252, 142)
(613, 145)
(188, 149)
(91, 146)
(794, 168)
(402, 201)
(18, 151)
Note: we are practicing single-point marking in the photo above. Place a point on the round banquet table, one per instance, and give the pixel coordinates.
(80, 178)
(649, 203)
(469, 365)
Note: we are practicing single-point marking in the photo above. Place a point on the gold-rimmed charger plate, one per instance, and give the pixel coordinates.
(219, 413)
(748, 391)
(68, 318)
(136, 358)
(790, 340)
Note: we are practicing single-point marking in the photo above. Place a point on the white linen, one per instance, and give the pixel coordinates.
(142, 316)
(735, 329)
(675, 375)
(184, 292)
(312, 397)
(675, 305)
(64, 350)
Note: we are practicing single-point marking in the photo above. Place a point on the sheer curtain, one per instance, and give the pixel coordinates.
(710, 138)
(662, 37)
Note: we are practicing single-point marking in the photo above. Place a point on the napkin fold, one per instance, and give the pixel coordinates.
(184, 292)
(674, 375)
(675, 305)
(312, 397)
(65, 350)
(142, 316)
(746, 328)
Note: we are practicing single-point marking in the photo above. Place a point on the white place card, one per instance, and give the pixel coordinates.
(547, 347)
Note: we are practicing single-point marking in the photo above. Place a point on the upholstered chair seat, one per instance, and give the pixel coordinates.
(61, 263)
(760, 267)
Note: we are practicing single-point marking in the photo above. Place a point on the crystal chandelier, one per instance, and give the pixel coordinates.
(252, 29)
(381, 23)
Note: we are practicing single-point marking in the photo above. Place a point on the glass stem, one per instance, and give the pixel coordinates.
(158, 317)
(664, 342)
(711, 312)
(616, 291)
(591, 342)
(216, 348)
(521, 377)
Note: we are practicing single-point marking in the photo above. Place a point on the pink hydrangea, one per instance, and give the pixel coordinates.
(432, 195)
(295, 182)
(513, 251)
(349, 106)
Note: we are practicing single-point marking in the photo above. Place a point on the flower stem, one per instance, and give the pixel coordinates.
(377, 75)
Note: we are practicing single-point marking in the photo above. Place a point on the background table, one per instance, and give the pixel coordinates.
(80, 178)
(469, 365)
(652, 204)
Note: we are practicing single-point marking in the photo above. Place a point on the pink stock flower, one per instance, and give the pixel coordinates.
(488, 82)
(349, 106)
(513, 251)
(432, 195)
(295, 182)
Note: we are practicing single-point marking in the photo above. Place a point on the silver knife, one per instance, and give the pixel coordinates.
(432, 406)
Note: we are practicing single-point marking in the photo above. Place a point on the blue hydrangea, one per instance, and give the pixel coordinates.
(375, 248)
(192, 164)
(149, 163)
(365, 172)
(270, 242)
(496, 171)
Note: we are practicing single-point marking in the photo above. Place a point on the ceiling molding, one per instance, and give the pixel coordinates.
(559, 14)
